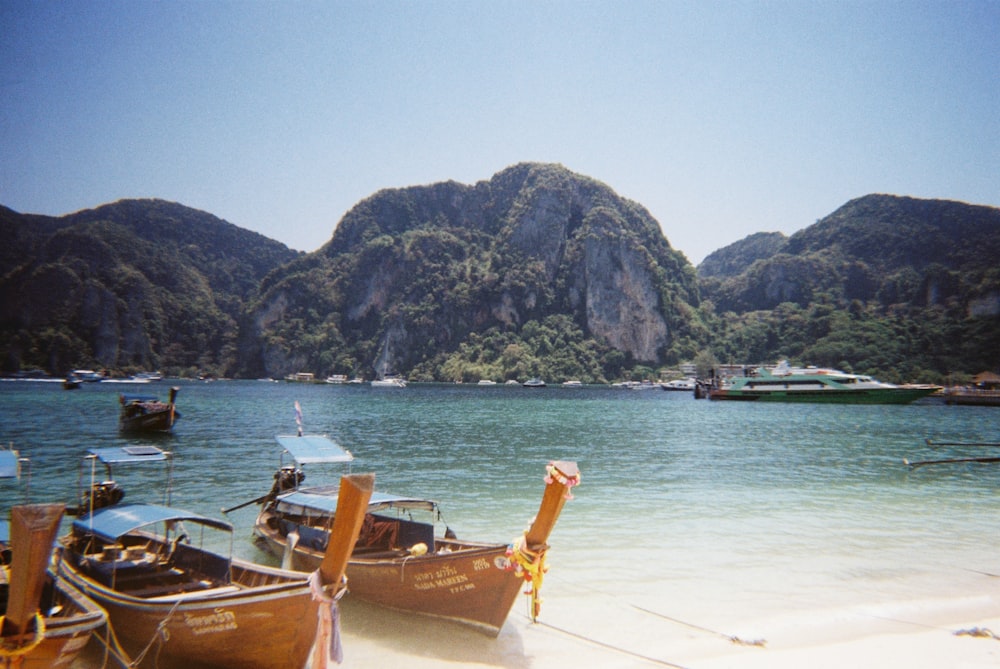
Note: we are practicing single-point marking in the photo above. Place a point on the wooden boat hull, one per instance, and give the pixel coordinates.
(159, 421)
(236, 627)
(66, 632)
(147, 414)
(471, 583)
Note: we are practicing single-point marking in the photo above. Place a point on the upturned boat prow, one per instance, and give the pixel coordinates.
(45, 622)
(400, 561)
(172, 601)
(529, 553)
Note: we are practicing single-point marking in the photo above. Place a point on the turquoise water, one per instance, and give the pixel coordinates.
(742, 518)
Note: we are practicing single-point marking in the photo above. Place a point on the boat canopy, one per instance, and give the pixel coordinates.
(113, 455)
(309, 449)
(324, 501)
(9, 465)
(115, 521)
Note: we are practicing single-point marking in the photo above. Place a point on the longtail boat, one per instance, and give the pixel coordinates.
(174, 601)
(45, 621)
(146, 413)
(403, 563)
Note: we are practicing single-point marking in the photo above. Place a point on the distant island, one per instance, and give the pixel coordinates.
(537, 272)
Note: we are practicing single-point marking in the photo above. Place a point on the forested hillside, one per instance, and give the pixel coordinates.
(536, 271)
(138, 284)
(897, 286)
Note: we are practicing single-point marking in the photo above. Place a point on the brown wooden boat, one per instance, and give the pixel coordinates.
(175, 603)
(145, 413)
(46, 622)
(399, 562)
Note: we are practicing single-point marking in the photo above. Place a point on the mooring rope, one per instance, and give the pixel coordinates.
(732, 638)
(158, 637)
(113, 648)
(602, 644)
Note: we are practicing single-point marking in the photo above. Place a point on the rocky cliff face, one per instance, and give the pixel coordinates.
(415, 269)
(135, 284)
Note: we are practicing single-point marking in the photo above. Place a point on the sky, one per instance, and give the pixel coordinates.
(722, 118)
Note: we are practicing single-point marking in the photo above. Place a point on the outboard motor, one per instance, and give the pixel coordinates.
(100, 495)
(286, 478)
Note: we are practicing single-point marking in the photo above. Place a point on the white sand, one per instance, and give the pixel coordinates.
(572, 632)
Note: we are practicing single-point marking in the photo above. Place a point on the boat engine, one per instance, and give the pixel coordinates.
(286, 478)
(100, 495)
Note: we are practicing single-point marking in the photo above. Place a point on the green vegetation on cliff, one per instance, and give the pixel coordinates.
(535, 272)
(899, 287)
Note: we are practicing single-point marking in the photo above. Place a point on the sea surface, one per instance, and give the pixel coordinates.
(697, 524)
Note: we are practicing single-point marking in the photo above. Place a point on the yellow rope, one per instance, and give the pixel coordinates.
(6, 651)
(531, 566)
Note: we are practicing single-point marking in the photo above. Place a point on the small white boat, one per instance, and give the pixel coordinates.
(687, 384)
(389, 382)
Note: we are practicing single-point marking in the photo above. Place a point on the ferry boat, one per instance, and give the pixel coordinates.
(815, 384)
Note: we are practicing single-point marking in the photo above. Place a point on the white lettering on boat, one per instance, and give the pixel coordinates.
(220, 620)
(446, 577)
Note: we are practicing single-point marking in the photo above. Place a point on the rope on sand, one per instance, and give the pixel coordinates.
(759, 643)
(617, 649)
(732, 638)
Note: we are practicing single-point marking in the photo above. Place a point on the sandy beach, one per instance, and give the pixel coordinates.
(955, 634)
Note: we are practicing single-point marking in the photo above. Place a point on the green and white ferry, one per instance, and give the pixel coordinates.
(784, 383)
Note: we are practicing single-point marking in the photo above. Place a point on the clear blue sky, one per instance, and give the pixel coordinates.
(721, 118)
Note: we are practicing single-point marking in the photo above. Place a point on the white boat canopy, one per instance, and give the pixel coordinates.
(310, 449)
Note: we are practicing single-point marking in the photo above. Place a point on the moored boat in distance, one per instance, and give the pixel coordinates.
(175, 602)
(146, 413)
(972, 397)
(389, 382)
(402, 562)
(686, 385)
(534, 383)
(816, 385)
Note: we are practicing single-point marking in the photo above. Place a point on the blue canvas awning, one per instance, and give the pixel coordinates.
(9, 465)
(115, 521)
(130, 454)
(310, 449)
